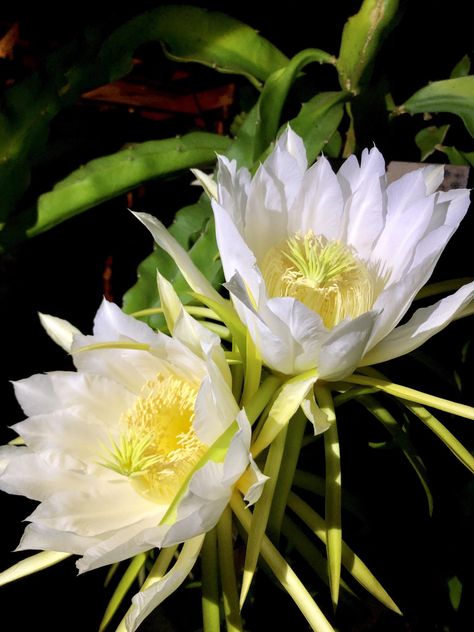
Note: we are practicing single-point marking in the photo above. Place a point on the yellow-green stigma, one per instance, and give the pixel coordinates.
(324, 275)
(158, 447)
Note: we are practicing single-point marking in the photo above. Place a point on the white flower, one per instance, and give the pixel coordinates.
(139, 448)
(322, 266)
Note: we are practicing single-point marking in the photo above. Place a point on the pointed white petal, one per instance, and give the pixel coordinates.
(91, 511)
(363, 189)
(59, 330)
(235, 255)
(146, 601)
(233, 185)
(319, 204)
(194, 277)
(342, 351)
(43, 394)
(424, 323)
(36, 537)
(433, 176)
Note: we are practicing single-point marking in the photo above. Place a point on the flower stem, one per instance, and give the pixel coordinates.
(412, 395)
(286, 474)
(227, 572)
(333, 493)
(284, 573)
(210, 588)
(261, 398)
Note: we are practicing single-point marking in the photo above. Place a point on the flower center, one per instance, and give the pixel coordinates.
(324, 275)
(159, 447)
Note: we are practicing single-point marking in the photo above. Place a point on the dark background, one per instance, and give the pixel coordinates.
(61, 272)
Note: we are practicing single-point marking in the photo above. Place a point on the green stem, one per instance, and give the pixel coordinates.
(261, 398)
(227, 572)
(354, 564)
(262, 511)
(286, 474)
(122, 588)
(210, 587)
(333, 493)
(284, 573)
(412, 395)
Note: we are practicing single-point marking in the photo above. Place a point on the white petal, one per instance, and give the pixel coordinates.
(215, 408)
(194, 277)
(433, 176)
(363, 189)
(424, 323)
(122, 544)
(27, 474)
(111, 323)
(394, 302)
(408, 216)
(37, 537)
(129, 368)
(293, 144)
(59, 330)
(235, 254)
(256, 488)
(319, 204)
(233, 185)
(43, 394)
(342, 351)
(107, 506)
(146, 601)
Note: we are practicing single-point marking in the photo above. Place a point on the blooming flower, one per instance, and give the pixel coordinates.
(322, 266)
(139, 448)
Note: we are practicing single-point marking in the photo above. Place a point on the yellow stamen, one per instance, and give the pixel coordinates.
(158, 447)
(327, 276)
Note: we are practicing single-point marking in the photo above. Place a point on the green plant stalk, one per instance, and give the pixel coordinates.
(210, 584)
(284, 573)
(227, 572)
(262, 397)
(333, 516)
(286, 474)
(122, 588)
(350, 561)
(261, 512)
(412, 395)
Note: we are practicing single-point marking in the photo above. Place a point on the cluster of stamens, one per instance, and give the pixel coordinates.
(158, 447)
(327, 276)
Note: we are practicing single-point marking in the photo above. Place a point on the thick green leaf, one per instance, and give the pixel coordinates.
(189, 33)
(462, 68)
(455, 96)
(458, 157)
(109, 176)
(193, 34)
(318, 120)
(261, 125)
(428, 139)
(361, 39)
(193, 227)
